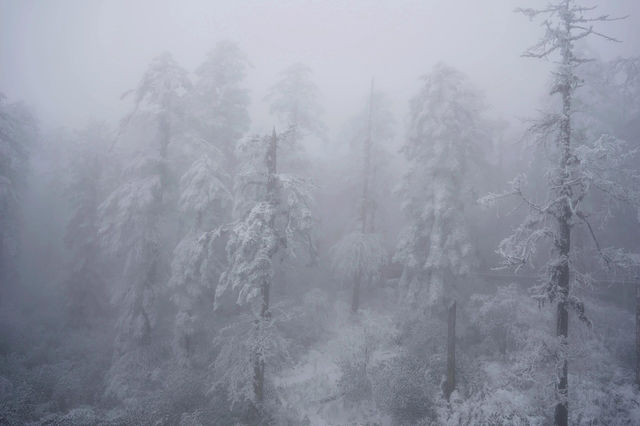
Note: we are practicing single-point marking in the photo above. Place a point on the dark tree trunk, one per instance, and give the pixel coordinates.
(365, 202)
(450, 384)
(638, 333)
(272, 197)
(560, 275)
(560, 271)
(366, 167)
(258, 364)
(355, 295)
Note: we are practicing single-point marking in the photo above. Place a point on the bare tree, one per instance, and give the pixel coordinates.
(360, 255)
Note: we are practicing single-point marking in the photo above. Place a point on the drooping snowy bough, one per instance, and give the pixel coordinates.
(275, 224)
(445, 131)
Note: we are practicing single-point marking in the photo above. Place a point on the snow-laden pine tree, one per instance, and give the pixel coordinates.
(446, 130)
(581, 167)
(275, 224)
(85, 286)
(205, 204)
(221, 99)
(135, 217)
(18, 132)
(293, 100)
(359, 256)
(218, 118)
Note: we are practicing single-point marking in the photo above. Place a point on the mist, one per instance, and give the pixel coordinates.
(319, 212)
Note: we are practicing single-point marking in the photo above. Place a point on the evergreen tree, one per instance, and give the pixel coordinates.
(219, 118)
(294, 101)
(18, 132)
(277, 226)
(583, 165)
(85, 286)
(446, 130)
(135, 217)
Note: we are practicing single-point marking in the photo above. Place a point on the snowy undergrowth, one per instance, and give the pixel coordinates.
(317, 385)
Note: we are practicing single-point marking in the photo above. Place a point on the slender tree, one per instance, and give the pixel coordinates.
(581, 166)
(277, 225)
(360, 255)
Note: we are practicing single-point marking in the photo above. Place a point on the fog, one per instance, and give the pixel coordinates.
(319, 212)
(89, 53)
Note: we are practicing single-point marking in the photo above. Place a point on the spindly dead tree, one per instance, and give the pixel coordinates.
(581, 166)
(360, 255)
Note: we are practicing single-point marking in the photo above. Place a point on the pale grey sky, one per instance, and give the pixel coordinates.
(71, 60)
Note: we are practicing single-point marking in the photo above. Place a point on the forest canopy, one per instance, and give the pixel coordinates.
(319, 213)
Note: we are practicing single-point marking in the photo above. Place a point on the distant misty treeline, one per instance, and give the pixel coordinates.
(172, 268)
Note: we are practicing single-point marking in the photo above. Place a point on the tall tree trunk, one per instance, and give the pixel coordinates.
(560, 272)
(271, 160)
(365, 202)
(638, 332)
(366, 169)
(562, 326)
(258, 364)
(450, 385)
(355, 295)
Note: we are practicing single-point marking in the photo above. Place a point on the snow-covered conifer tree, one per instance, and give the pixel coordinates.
(17, 134)
(218, 118)
(446, 129)
(294, 101)
(583, 166)
(85, 286)
(134, 216)
(276, 225)
(221, 100)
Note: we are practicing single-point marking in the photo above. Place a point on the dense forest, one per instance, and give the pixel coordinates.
(221, 246)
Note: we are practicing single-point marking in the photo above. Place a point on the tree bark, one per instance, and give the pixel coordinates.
(364, 206)
(265, 314)
(638, 333)
(366, 169)
(258, 365)
(450, 385)
(355, 295)
(560, 271)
